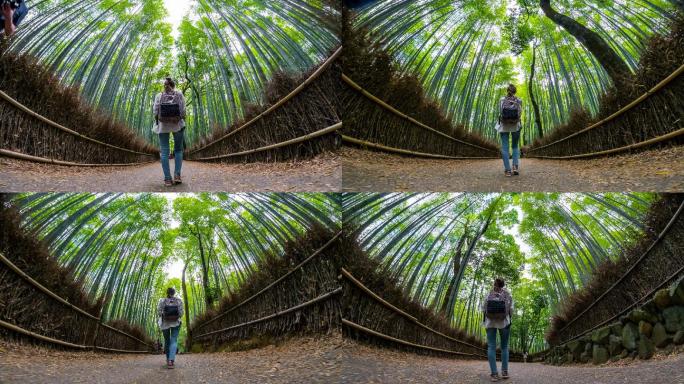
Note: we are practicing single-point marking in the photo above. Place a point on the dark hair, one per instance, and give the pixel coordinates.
(171, 82)
(512, 89)
(498, 282)
(170, 292)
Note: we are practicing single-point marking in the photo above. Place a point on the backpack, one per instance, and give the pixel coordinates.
(510, 110)
(169, 109)
(496, 306)
(171, 310)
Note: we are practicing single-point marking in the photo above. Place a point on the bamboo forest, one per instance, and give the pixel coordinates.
(341, 191)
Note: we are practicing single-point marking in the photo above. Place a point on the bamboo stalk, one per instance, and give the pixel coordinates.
(636, 263)
(364, 143)
(22, 156)
(40, 337)
(383, 104)
(322, 297)
(280, 102)
(281, 278)
(655, 140)
(300, 139)
(624, 109)
(44, 119)
(360, 285)
(404, 342)
(119, 350)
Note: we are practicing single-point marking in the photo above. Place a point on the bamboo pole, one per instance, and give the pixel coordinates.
(300, 139)
(22, 156)
(125, 334)
(622, 110)
(281, 278)
(47, 121)
(383, 104)
(636, 263)
(400, 151)
(655, 140)
(280, 102)
(297, 307)
(404, 342)
(119, 350)
(23, 331)
(360, 285)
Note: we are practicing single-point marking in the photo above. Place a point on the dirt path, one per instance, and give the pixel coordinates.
(308, 360)
(363, 364)
(303, 360)
(321, 174)
(655, 170)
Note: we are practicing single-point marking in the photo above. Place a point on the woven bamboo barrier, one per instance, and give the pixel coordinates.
(302, 300)
(376, 124)
(657, 266)
(303, 117)
(28, 133)
(84, 330)
(384, 148)
(652, 124)
(367, 312)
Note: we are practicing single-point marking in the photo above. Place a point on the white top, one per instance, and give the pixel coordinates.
(164, 324)
(169, 127)
(502, 127)
(488, 323)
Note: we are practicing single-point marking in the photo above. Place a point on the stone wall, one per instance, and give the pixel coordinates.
(656, 325)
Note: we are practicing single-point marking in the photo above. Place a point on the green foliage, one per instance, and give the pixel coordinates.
(446, 249)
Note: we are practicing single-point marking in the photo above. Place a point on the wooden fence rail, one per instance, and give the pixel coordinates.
(98, 319)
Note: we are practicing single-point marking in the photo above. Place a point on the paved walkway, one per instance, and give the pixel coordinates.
(650, 171)
(321, 174)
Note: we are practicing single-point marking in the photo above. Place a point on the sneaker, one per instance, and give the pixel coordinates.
(504, 375)
(177, 180)
(508, 173)
(168, 183)
(494, 377)
(516, 170)
(170, 366)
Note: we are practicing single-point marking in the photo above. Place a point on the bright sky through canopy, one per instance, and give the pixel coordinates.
(177, 9)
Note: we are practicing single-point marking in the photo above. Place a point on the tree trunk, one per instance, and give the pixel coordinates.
(533, 99)
(208, 295)
(616, 68)
(188, 343)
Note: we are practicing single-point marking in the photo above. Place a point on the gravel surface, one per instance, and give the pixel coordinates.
(302, 360)
(660, 170)
(320, 174)
(308, 360)
(364, 364)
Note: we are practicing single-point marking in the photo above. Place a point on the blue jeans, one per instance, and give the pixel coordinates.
(177, 153)
(171, 342)
(504, 148)
(491, 348)
(18, 15)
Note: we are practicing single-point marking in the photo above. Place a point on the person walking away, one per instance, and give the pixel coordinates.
(509, 125)
(170, 312)
(13, 12)
(169, 115)
(497, 310)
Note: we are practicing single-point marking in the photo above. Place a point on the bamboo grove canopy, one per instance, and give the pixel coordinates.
(118, 52)
(446, 249)
(466, 52)
(119, 246)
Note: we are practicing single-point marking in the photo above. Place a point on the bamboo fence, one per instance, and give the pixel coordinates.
(28, 135)
(301, 300)
(380, 126)
(300, 113)
(649, 273)
(94, 333)
(603, 140)
(368, 313)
